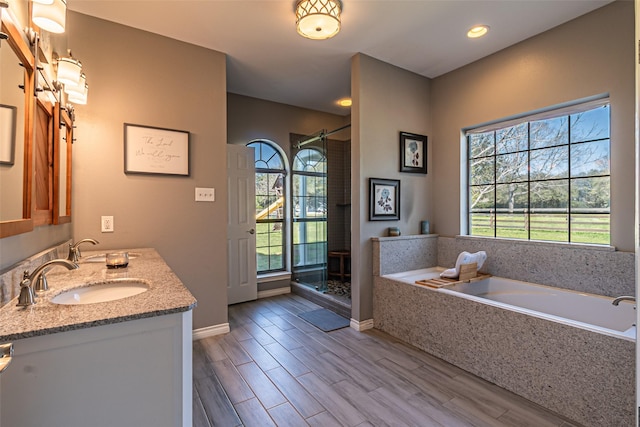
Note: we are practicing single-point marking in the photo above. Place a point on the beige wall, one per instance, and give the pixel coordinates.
(588, 56)
(252, 118)
(142, 78)
(386, 100)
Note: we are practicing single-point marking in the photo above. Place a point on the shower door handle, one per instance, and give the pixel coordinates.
(252, 231)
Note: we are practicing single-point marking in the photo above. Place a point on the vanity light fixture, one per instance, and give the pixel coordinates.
(79, 96)
(50, 15)
(69, 71)
(318, 19)
(477, 31)
(3, 5)
(78, 88)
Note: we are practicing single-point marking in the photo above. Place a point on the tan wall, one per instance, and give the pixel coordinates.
(252, 118)
(141, 78)
(588, 56)
(386, 100)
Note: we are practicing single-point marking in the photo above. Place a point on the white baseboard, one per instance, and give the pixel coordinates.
(274, 292)
(210, 331)
(361, 326)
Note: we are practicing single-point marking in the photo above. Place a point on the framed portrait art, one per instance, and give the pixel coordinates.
(413, 153)
(384, 199)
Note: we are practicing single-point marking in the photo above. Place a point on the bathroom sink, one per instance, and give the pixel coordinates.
(102, 292)
(103, 257)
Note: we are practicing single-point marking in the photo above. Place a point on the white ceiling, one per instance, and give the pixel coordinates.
(267, 59)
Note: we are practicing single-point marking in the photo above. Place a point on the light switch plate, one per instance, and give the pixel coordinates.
(205, 194)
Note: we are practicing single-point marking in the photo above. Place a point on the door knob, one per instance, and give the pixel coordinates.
(252, 231)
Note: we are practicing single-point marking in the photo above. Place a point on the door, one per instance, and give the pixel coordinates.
(241, 238)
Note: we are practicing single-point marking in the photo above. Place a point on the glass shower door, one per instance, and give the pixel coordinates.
(309, 191)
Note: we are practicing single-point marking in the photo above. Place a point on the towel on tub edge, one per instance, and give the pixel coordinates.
(465, 258)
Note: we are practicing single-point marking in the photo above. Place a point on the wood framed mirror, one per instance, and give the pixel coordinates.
(63, 144)
(45, 131)
(17, 65)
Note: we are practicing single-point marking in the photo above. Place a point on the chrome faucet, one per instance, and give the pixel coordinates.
(623, 298)
(74, 249)
(27, 296)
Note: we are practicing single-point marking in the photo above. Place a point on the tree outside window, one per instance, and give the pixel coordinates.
(542, 178)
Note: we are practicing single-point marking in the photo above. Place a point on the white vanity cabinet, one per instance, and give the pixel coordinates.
(133, 373)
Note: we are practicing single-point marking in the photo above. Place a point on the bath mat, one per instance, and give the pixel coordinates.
(325, 319)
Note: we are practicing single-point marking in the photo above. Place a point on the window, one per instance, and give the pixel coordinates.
(270, 206)
(542, 177)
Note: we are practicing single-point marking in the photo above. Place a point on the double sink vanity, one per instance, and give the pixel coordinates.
(101, 347)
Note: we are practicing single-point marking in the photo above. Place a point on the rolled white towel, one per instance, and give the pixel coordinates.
(465, 258)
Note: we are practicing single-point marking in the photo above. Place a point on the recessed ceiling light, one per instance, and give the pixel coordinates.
(344, 102)
(477, 31)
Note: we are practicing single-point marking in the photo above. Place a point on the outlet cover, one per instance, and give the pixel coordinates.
(107, 224)
(205, 194)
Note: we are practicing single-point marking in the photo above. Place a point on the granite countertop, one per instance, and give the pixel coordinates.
(166, 295)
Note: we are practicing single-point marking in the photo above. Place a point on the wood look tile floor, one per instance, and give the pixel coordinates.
(275, 369)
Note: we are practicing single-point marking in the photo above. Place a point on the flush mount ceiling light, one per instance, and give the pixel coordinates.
(50, 15)
(345, 102)
(318, 19)
(477, 31)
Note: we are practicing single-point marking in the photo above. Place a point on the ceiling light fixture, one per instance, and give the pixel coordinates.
(50, 15)
(477, 31)
(345, 102)
(318, 19)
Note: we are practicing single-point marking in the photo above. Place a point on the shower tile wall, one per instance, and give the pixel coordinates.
(339, 195)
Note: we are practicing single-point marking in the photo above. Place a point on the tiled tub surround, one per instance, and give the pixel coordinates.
(166, 295)
(404, 253)
(592, 269)
(584, 375)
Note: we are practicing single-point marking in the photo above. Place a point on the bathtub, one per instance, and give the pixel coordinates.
(570, 352)
(587, 311)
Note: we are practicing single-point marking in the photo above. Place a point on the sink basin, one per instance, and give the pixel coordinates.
(103, 257)
(102, 292)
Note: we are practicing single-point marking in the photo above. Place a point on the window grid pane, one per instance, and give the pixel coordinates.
(551, 179)
(270, 207)
(309, 190)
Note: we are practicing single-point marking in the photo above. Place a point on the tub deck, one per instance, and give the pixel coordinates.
(574, 369)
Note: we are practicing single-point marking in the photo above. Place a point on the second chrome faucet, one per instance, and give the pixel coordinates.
(74, 249)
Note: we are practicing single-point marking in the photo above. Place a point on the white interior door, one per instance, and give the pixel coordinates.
(241, 244)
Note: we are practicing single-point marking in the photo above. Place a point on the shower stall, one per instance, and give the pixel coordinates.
(309, 216)
(320, 181)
